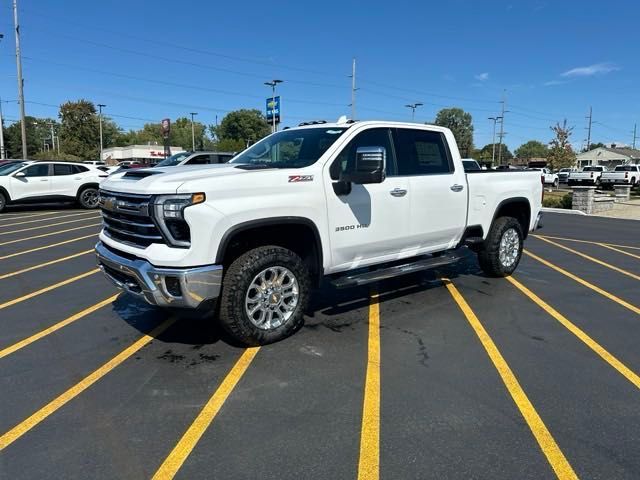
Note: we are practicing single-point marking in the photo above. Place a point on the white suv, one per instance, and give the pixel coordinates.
(38, 182)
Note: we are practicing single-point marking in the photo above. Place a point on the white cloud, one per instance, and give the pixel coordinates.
(483, 77)
(595, 69)
(555, 82)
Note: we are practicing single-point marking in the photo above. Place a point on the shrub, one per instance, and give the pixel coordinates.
(558, 202)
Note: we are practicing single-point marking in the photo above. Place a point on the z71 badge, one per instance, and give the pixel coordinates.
(300, 178)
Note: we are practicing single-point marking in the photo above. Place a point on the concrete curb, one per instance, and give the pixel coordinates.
(562, 210)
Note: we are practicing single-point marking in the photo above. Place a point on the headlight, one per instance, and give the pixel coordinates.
(168, 212)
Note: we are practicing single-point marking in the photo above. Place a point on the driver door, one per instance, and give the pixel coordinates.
(369, 223)
(35, 183)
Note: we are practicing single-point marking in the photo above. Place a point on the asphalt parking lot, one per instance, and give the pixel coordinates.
(445, 374)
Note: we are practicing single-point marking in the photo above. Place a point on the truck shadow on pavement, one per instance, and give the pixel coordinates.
(330, 308)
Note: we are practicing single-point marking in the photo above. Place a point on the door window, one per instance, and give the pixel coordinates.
(422, 152)
(61, 169)
(374, 137)
(40, 170)
(199, 160)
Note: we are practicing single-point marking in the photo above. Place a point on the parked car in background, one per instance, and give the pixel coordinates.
(548, 178)
(470, 165)
(589, 175)
(43, 182)
(196, 158)
(622, 175)
(93, 162)
(563, 174)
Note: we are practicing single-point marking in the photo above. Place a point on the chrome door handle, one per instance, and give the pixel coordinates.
(457, 187)
(398, 192)
(44, 180)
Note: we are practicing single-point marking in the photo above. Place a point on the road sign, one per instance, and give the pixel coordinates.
(273, 109)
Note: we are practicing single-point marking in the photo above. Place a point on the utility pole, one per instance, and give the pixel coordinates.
(413, 107)
(634, 134)
(193, 132)
(273, 84)
(2, 153)
(493, 142)
(100, 107)
(23, 126)
(502, 133)
(590, 117)
(353, 90)
(53, 140)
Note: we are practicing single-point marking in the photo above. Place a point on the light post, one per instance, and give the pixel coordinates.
(273, 84)
(193, 132)
(493, 142)
(413, 107)
(100, 107)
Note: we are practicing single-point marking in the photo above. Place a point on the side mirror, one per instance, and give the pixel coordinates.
(369, 167)
(20, 175)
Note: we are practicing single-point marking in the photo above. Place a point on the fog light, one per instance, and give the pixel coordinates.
(173, 286)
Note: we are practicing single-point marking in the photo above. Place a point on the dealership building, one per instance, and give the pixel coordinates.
(144, 154)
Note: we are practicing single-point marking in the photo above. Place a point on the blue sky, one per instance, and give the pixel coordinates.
(149, 60)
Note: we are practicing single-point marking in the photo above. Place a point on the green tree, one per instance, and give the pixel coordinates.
(229, 145)
(38, 134)
(485, 153)
(247, 126)
(180, 136)
(79, 129)
(593, 146)
(532, 149)
(461, 124)
(561, 155)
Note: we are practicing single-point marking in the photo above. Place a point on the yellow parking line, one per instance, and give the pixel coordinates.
(547, 443)
(618, 250)
(46, 264)
(48, 289)
(34, 338)
(584, 241)
(586, 339)
(369, 463)
(23, 427)
(189, 440)
(592, 259)
(31, 250)
(49, 225)
(593, 287)
(49, 234)
(50, 218)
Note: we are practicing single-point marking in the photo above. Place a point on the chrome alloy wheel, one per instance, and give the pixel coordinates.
(509, 247)
(90, 198)
(272, 298)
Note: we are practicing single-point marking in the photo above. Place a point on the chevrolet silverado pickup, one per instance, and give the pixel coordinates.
(348, 202)
(622, 175)
(587, 176)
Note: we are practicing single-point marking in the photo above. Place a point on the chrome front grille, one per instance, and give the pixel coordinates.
(127, 218)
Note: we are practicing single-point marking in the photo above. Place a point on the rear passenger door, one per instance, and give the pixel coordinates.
(66, 179)
(437, 191)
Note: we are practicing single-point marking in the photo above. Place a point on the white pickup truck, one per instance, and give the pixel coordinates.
(622, 175)
(351, 202)
(587, 176)
(548, 177)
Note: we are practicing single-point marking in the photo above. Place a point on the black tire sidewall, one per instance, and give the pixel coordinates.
(237, 280)
(3, 202)
(81, 202)
(489, 256)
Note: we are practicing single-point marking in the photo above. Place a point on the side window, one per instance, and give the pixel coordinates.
(374, 137)
(61, 169)
(421, 152)
(199, 160)
(40, 170)
(80, 169)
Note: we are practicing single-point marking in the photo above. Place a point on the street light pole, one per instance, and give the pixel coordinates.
(2, 155)
(413, 107)
(273, 84)
(100, 107)
(193, 132)
(23, 126)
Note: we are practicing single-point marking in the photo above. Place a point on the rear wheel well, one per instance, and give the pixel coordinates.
(4, 192)
(301, 238)
(85, 186)
(517, 208)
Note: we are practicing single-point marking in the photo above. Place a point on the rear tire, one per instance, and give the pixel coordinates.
(502, 249)
(88, 198)
(556, 183)
(3, 202)
(274, 284)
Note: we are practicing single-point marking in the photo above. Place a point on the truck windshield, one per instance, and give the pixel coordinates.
(592, 169)
(173, 160)
(626, 168)
(290, 148)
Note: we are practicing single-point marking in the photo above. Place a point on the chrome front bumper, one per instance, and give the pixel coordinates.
(164, 287)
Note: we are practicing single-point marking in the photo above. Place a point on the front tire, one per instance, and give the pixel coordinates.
(264, 295)
(502, 249)
(3, 202)
(88, 198)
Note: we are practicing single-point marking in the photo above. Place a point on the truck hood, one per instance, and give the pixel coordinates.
(167, 179)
